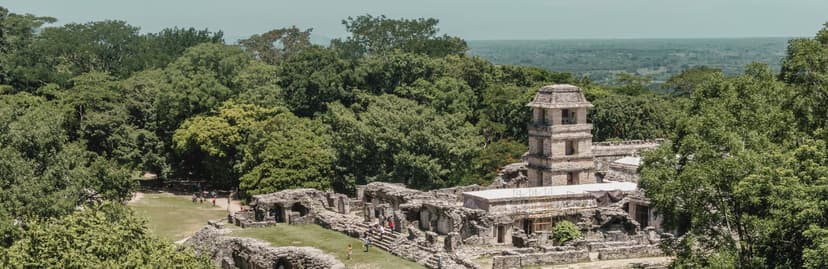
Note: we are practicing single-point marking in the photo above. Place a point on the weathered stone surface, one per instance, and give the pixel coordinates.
(535, 259)
(413, 233)
(628, 252)
(235, 252)
(604, 153)
(510, 176)
(431, 238)
(451, 242)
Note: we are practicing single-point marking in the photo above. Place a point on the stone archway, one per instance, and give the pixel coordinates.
(298, 207)
(282, 263)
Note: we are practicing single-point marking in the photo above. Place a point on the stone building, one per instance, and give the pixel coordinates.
(563, 176)
(560, 139)
(298, 206)
(537, 209)
(624, 170)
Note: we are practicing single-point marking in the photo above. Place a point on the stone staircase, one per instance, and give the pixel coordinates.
(431, 263)
(387, 242)
(394, 243)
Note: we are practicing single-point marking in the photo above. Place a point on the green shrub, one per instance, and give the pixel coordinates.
(565, 231)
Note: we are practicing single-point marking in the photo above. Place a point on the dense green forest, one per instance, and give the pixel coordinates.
(601, 60)
(84, 108)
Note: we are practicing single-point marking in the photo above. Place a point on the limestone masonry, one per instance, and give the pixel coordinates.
(564, 177)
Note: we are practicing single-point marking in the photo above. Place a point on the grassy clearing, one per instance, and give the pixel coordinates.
(175, 217)
(331, 242)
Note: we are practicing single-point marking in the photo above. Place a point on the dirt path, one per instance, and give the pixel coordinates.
(624, 263)
(136, 197)
(235, 205)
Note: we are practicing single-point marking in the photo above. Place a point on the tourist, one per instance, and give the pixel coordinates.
(194, 198)
(439, 261)
(391, 224)
(350, 251)
(381, 231)
(214, 201)
(367, 243)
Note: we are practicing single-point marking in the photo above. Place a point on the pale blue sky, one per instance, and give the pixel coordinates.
(469, 19)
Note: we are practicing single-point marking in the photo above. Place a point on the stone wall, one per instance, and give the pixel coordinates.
(540, 258)
(629, 252)
(247, 253)
(607, 152)
(622, 173)
(511, 176)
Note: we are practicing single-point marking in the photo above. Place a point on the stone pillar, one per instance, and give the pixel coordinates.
(368, 211)
(581, 117)
(431, 238)
(343, 204)
(452, 241)
(556, 116)
(360, 193)
(398, 221)
(413, 233)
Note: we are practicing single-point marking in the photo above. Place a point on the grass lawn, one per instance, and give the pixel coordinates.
(331, 242)
(175, 217)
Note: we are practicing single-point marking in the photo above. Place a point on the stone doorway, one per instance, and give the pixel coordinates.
(277, 212)
(501, 234)
(297, 207)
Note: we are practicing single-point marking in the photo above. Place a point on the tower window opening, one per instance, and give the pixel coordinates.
(568, 116)
(571, 148)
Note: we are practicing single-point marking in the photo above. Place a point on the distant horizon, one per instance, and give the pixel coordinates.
(473, 20)
(641, 38)
(576, 39)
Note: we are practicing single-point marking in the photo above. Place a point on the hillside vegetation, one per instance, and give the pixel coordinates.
(601, 60)
(84, 108)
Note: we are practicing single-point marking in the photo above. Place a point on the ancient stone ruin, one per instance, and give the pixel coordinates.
(563, 177)
(246, 253)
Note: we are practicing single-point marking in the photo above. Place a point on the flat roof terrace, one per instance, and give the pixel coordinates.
(539, 192)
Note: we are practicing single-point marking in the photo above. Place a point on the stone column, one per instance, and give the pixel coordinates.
(344, 204)
(368, 211)
(452, 241)
(556, 116)
(581, 117)
(399, 220)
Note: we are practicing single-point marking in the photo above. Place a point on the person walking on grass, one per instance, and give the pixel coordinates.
(350, 251)
(367, 243)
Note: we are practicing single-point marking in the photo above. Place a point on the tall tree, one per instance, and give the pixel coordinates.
(274, 46)
(17, 33)
(388, 138)
(378, 34)
(284, 152)
(700, 182)
(805, 66)
(100, 236)
(211, 146)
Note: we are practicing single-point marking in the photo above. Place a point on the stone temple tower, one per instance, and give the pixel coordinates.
(560, 139)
